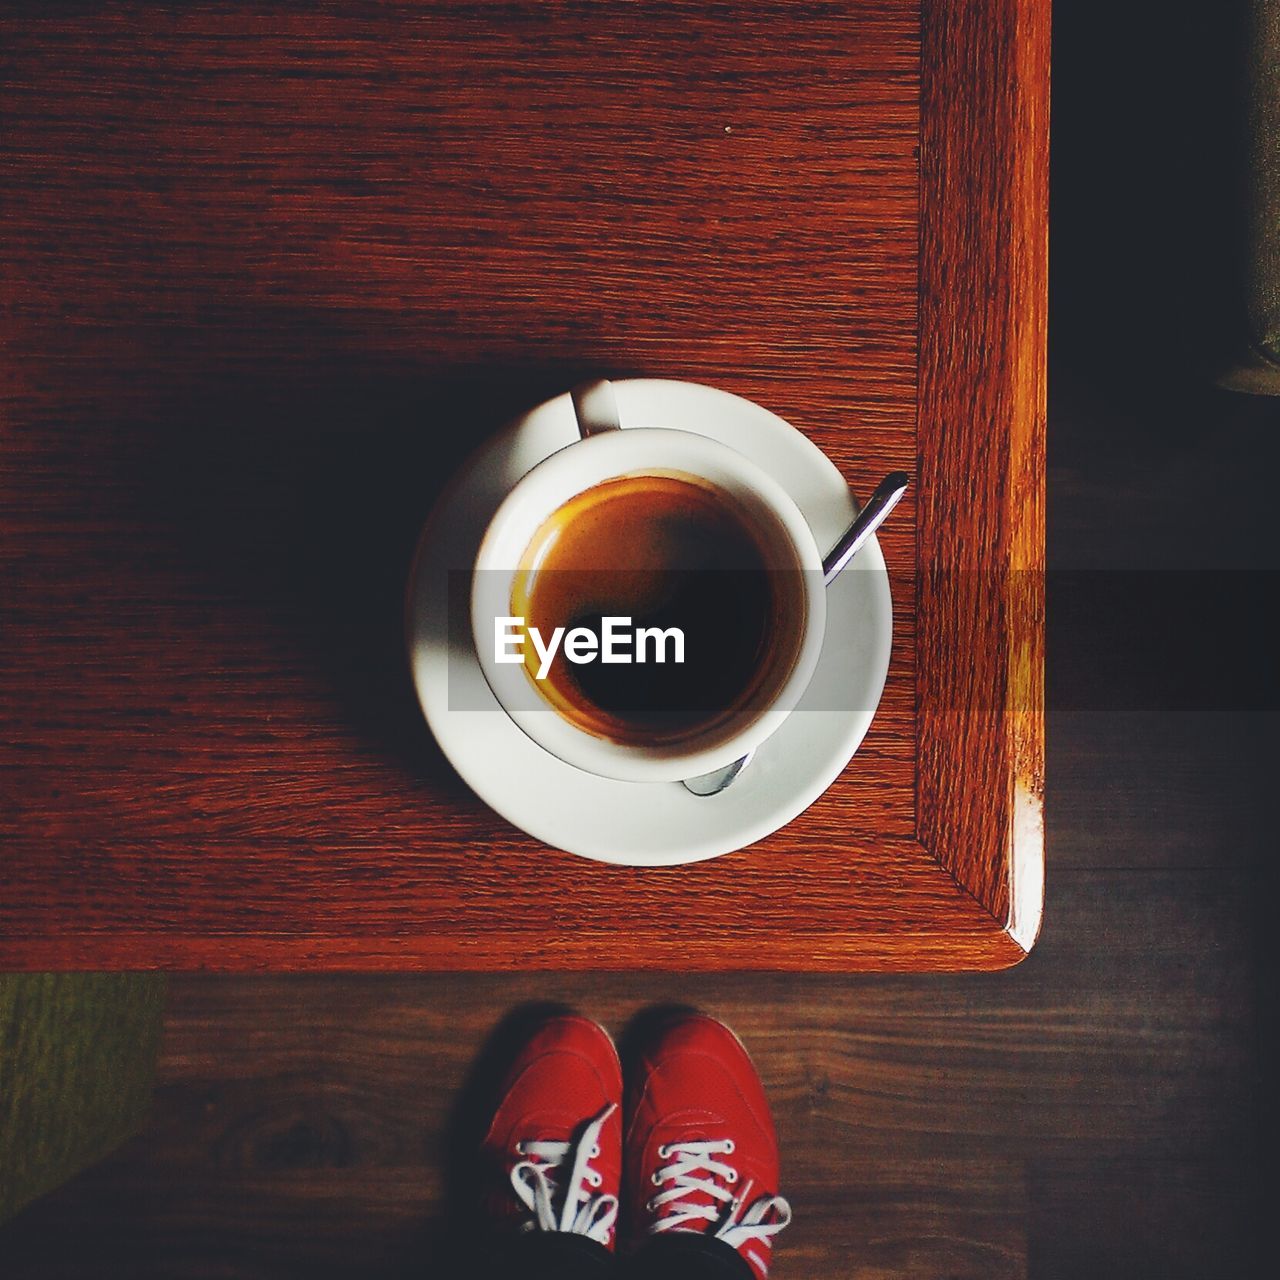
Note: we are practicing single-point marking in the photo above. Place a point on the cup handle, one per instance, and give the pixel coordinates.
(595, 407)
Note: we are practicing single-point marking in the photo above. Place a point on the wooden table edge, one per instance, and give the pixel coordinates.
(984, 186)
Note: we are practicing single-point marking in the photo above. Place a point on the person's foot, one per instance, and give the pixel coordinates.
(554, 1149)
(701, 1153)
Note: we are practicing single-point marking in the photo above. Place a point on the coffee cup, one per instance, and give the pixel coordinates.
(647, 604)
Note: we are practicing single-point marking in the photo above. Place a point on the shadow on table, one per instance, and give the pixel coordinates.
(272, 474)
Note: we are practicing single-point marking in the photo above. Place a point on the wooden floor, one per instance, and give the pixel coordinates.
(1098, 1112)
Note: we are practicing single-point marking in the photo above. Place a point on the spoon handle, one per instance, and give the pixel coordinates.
(867, 521)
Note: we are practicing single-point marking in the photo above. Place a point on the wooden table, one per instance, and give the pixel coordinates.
(268, 273)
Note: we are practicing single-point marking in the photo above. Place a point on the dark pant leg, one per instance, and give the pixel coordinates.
(685, 1255)
(550, 1255)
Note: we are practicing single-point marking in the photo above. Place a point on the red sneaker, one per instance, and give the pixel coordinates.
(701, 1152)
(555, 1144)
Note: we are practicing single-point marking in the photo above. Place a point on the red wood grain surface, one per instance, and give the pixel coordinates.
(981, 531)
(267, 275)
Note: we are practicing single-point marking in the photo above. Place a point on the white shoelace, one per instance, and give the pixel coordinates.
(536, 1181)
(694, 1169)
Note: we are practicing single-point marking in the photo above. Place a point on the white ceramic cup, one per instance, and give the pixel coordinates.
(608, 451)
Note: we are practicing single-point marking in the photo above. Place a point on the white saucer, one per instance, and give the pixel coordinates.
(648, 824)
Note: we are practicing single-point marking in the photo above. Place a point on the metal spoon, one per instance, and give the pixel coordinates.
(886, 496)
(709, 784)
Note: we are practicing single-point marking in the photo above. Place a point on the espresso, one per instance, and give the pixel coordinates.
(673, 555)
